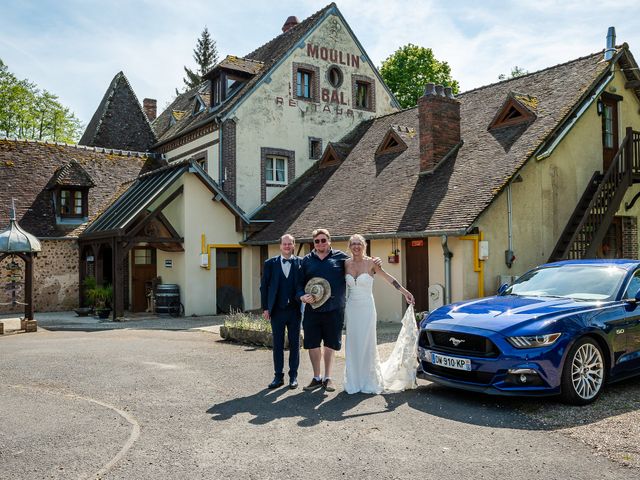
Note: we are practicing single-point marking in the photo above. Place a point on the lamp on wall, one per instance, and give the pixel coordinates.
(600, 107)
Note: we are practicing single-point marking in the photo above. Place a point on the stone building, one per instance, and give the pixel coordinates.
(58, 190)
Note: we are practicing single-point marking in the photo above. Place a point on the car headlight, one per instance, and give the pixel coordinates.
(533, 341)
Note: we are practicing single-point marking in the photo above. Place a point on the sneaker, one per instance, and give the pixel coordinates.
(328, 385)
(314, 385)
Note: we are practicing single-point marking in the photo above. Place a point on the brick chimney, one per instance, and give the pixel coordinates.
(149, 105)
(438, 123)
(290, 23)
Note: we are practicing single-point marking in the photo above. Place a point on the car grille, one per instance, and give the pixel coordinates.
(465, 344)
(473, 376)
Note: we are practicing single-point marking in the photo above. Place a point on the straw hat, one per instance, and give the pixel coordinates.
(320, 289)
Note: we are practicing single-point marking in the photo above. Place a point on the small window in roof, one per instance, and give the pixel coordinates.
(516, 109)
(391, 143)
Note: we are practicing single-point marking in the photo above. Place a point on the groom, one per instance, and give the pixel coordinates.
(280, 305)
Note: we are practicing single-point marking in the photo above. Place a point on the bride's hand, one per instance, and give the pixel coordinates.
(409, 298)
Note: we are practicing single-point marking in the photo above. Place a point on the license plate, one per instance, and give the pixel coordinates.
(451, 362)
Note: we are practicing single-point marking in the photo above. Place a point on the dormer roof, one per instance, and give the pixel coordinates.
(517, 108)
(392, 142)
(71, 175)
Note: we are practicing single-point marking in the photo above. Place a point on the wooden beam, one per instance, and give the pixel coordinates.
(156, 211)
(28, 289)
(632, 84)
(156, 240)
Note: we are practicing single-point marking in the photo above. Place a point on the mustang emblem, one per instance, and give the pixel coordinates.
(456, 341)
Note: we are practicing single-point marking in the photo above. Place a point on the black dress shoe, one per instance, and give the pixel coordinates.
(293, 383)
(277, 382)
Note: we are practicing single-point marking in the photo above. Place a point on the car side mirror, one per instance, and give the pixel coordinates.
(503, 288)
(635, 299)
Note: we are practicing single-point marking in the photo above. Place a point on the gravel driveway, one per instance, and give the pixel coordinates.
(154, 403)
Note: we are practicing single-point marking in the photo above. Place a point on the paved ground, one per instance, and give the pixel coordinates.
(157, 403)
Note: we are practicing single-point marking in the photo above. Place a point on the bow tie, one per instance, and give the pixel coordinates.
(287, 260)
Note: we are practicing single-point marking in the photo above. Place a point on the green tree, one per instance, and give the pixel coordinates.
(27, 112)
(515, 72)
(410, 68)
(206, 56)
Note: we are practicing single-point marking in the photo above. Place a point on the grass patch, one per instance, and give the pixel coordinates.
(247, 321)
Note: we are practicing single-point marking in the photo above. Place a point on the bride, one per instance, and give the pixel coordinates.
(363, 371)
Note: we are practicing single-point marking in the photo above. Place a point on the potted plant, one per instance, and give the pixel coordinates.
(103, 296)
(99, 297)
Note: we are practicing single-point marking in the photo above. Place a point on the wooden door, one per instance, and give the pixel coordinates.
(609, 131)
(143, 270)
(228, 279)
(417, 263)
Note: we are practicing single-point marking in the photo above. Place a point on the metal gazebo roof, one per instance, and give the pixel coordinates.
(16, 240)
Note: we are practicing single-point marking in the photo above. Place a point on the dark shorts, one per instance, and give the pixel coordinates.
(323, 328)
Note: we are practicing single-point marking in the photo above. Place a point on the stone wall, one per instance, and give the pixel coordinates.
(55, 282)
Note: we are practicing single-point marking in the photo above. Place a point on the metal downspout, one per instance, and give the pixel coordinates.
(508, 255)
(220, 172)
(447, 269)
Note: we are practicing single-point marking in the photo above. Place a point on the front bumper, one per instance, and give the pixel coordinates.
(535, 372)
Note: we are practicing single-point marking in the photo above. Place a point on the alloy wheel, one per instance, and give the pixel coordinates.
(587, 371)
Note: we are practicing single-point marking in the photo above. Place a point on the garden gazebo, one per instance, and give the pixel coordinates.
(16, 242)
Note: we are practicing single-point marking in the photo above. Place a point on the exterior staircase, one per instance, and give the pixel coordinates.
(599, 203)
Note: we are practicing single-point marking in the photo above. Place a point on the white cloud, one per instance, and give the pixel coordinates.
(73, 48)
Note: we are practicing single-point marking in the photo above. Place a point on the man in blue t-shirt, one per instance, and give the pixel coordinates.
(323, 325)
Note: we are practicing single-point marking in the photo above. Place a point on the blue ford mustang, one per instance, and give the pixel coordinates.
(563, 328)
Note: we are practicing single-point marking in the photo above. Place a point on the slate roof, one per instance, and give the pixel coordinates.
(145, 189)
(28, 169)
(268, 54)
(119, 121)
(71, 175)
(386, 196)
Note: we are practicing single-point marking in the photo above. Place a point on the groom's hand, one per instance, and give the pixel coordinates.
(307, 298)
(377, 261)
(265, 315)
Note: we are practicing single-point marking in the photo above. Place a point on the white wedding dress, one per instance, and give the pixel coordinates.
(363, 371)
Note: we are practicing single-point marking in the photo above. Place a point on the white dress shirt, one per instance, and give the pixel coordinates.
(286, 266)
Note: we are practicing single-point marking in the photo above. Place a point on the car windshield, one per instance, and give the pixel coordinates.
(579, 282)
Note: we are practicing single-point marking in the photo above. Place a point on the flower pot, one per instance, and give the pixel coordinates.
(103, 313)
(83, 311)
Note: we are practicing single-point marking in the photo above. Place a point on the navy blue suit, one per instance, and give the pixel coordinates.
(279, 297)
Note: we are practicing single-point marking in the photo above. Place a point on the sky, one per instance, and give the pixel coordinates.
(74, 48)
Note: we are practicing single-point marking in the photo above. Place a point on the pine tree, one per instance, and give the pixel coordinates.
(206, 56)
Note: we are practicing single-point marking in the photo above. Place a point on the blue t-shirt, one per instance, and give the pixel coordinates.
(331, 268)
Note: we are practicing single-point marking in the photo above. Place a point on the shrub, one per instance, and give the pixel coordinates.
(247, 321)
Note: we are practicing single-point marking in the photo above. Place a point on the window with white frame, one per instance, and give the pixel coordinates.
(276, 169)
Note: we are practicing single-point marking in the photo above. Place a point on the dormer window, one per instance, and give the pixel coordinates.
(228, 76)
(391, 143)
(72, 203)
(70, 186)
(198, 106)
(515, 110)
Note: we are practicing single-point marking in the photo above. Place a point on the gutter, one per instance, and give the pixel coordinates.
(372, 236)
(575, 115)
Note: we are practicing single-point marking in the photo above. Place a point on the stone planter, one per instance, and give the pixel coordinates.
(251, 337)
(103, 313)
(83, 311)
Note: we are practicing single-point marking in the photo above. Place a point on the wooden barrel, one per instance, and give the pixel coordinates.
(167, 294)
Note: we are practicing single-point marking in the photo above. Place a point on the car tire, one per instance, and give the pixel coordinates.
(583, 374)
